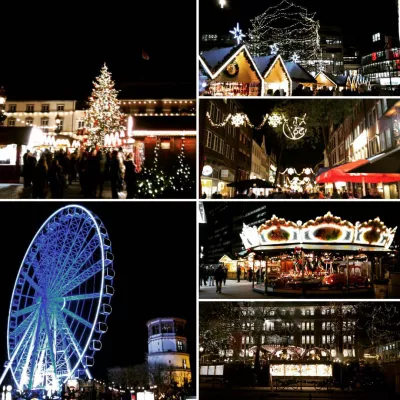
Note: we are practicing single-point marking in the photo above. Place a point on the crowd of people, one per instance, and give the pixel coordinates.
(54, 172)
(280, 194)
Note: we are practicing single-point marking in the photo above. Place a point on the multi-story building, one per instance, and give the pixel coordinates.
(259, 162)
(225, 150)
(64, 116)
(168, 350)
(382, 65)
(331, 42)
(371, 129)
(301, 332)
(351, 61)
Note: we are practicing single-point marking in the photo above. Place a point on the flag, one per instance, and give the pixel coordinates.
(145, 56)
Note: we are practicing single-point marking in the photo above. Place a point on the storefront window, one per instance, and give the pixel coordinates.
(8, 154)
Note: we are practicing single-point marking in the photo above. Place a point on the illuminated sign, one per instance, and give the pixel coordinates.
(301, 370)
(207, 170)
(374, 57)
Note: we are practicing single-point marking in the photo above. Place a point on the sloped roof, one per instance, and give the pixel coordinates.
(264, 63)
(215, 57)
(340, 80)
(298, 73)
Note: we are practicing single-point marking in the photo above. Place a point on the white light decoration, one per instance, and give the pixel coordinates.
(307, 171)
(326, 230)
(275, 48)
(238, 34)
(222, 3)
(291, 171)
(275, 120)
(297, 129)
(295, 58)
(130, 125)
(238, 120)
(289, 26)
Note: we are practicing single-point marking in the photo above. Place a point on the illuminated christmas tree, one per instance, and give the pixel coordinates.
(152, 182)
(104, 115)
(183, 180)
(289, 30)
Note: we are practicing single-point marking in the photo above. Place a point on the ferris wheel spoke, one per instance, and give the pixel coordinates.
(77, 263)
(25, 310)
(77, 318)
(22, 326)
(31, 281)
(50, 340)
(83, 277)
(78, 349)
(78, 297)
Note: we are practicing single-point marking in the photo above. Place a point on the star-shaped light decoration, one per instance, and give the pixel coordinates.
(222, 3)
(274, 120)
(238, 34)
(295, 58)
(237, 120)
(274, 49)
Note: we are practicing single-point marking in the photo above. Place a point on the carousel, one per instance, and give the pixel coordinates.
(324, 254)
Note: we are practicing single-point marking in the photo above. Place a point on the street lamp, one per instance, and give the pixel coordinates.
(3, 99)
(58, 122)
(333, 63)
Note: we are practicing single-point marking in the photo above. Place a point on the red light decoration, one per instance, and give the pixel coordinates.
(374, 57)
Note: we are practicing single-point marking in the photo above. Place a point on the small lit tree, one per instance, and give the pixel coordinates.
(104, 115)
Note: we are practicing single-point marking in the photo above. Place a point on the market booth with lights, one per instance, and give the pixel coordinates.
(230, 71)
(15, 141)
(322, 254)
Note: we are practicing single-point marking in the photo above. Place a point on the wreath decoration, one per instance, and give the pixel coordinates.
(232, 69)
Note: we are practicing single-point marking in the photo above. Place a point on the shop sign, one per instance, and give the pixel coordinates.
(207, 170)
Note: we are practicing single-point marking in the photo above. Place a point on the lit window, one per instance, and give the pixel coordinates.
(376, 37)
(60, 107)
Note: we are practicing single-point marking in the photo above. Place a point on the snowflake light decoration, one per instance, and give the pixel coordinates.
(297, 129)
(238, 120)
(274, 49)
(274, 120)
(238, 34)
(295, 58)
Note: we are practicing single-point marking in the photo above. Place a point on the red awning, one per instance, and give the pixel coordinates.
(341, 174)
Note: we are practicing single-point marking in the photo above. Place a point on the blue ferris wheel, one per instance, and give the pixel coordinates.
(60, 302)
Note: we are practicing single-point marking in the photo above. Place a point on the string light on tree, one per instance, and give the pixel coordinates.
(238, 34)
(289, 26)
(104, 116)
(183, 178)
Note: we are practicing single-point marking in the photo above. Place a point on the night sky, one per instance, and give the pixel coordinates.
(359, 21)
(61, 48)
(155, 272)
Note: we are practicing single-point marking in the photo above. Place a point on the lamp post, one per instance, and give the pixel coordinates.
(58, 122)
(3, 99)
(333, 63)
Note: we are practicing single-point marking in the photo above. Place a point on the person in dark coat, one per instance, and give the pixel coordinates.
(83, 175)
(93, 173)
(115, 174)
(219, 274)
(130, 176)
(238, 273)
(56, 180)
(29, 169)
(225, 274)
(103, 165)
(40, 180)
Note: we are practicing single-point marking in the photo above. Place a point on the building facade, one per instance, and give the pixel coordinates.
(331, 42)
(259, 160)
(382, 65)
(285, 332)
(224, 150)
(371, 129)
(167, 349)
